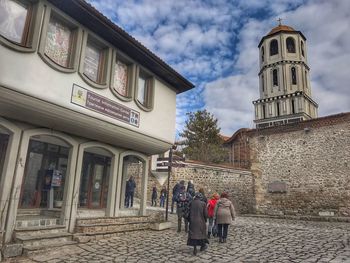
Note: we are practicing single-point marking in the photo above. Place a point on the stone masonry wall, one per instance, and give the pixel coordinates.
(238, 183)
(312, 161)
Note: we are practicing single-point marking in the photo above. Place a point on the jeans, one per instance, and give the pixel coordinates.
(154, 201)
(162, 201)
(129, 199)
(211, 225)
(222, 230)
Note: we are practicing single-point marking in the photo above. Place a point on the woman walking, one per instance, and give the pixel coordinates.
(212, 227)
(224, 215)
(197, 235)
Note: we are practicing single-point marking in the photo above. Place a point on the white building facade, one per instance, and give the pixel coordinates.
(80, 99)
(284, 82)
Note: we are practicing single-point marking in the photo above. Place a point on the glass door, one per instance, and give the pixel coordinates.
(94, 181)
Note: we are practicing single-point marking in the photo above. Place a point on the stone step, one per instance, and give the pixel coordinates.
(108, 229)
(111, 221)
(23, 222)
(35, 230)
(40, 250)
(43, 239)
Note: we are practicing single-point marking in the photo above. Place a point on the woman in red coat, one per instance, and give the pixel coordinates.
(211, 207)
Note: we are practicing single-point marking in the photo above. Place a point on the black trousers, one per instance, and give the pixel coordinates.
(222, 230)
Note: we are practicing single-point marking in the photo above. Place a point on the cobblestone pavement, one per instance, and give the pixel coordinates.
(250, 240)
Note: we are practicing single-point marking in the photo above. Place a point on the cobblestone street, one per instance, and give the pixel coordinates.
(250, 240)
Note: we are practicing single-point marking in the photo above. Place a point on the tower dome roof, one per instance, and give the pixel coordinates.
(281, 28)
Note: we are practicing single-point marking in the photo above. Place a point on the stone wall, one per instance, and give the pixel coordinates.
(238, 183)
(311, 160)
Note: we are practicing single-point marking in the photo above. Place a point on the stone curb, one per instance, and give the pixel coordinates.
(304, 218)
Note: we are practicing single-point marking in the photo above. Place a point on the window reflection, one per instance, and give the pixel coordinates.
(13, 20)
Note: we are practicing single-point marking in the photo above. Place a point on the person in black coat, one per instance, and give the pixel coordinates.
(129, 192)
(197, 235)
(154, 196)
(176, 191)
(190, 188)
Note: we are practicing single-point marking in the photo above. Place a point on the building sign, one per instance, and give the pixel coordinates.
(100, 104)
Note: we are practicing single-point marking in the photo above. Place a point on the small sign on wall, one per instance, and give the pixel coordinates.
(277, 187)
(95, 102)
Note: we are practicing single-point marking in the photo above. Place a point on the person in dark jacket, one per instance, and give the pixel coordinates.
(190, 188)
(183, 200)
(154, 196)
(129, 192)
(176, 191)
(198, 215)
(204, 198)
(163, 194)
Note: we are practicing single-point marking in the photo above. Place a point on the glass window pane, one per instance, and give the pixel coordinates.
(13, 17)
(92, 62)
(141, 90)
(58, 42)
(121, 78)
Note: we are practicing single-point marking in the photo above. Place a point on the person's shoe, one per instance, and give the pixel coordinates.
(195, 250)
(221, 240)
(209, 235)
(203, 247)
(179, 230)
(224, 240)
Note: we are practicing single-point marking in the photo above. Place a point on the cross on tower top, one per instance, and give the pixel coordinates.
(279, 21)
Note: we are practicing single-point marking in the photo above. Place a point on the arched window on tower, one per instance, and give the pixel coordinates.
(290, 45)
(306, 84)
(293, 106)
(302, 48)
(262, 54)
(273, 47)
(294, 76)
(278, 109)
(264, 111)
(275, 77)
(262, 83)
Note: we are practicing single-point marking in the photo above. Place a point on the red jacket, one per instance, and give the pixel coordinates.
(211, 207)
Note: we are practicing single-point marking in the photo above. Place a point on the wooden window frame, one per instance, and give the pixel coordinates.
(104, 68)
(31, 29)
(75, 41)
(118, 56)
(149, 96)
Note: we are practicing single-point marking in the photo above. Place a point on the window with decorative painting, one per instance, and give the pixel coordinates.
(59, 42)
(95, 62)
(15, 20)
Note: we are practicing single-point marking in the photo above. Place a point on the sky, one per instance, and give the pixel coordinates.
(213, 43)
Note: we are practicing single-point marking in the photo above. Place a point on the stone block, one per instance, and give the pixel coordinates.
(12, 250)
(326, 213)
(161, 226)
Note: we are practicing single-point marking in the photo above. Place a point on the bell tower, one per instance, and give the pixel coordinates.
(284, 82)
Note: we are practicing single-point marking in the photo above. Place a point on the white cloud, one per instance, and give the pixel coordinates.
(213, 43)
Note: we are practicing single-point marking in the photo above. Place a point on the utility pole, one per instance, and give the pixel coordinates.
(170, 163)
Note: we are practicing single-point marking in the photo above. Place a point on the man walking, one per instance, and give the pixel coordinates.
(183, 200)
